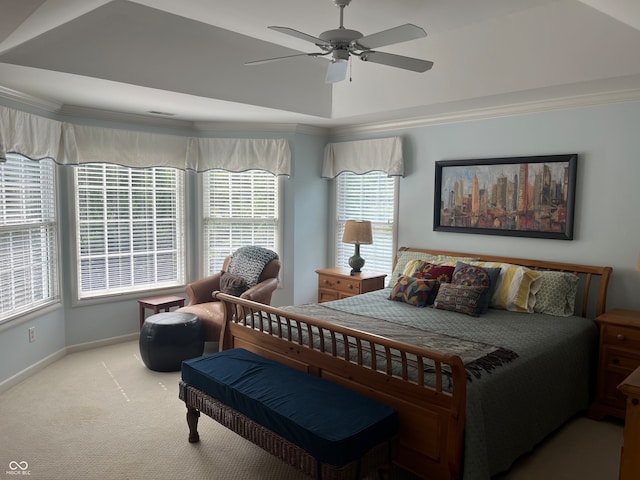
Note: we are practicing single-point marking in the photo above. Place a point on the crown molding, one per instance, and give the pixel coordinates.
(484, 113)
(213, 127)
(29, 100)
(481, 113)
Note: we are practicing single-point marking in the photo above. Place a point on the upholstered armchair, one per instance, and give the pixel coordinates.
(210, 311)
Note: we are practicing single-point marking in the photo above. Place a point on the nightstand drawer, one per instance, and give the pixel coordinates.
(336, 283)
(624, 337)
(339, 284)
(615, 359)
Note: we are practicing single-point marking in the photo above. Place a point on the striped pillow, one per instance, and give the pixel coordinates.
(516, 287)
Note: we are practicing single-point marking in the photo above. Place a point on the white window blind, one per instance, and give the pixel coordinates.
(371, 196)
(130, 229)
(239, 209)
(28, 236)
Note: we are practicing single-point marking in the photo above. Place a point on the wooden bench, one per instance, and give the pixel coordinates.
(325, 430)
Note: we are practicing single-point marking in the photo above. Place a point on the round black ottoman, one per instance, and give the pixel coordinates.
(166, 339)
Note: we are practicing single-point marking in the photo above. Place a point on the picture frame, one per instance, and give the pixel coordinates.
(487, 196)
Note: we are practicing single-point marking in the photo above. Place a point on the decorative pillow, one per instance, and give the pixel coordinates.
(403, 257)
(441, 273)
(414, 291)
(477, 276)
(516, 289)
(460, 298)
(557, 294)
(232, 284)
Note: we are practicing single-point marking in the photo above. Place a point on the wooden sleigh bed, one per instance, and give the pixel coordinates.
(451, 423)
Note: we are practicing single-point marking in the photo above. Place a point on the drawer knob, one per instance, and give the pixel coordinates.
(635, 401)
(620, 337)
(616, 361)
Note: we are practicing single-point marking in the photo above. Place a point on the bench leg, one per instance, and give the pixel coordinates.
(192, 421)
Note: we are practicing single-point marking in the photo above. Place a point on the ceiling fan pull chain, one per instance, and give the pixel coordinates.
(350, 69)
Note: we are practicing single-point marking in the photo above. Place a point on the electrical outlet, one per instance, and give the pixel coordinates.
(32, 334)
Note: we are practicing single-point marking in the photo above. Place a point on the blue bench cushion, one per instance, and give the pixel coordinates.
(334, 424)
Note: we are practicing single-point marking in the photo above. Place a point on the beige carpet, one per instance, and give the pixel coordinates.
(101, 414)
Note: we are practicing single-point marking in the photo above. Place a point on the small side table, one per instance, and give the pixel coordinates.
(159, 303)
(619, 356)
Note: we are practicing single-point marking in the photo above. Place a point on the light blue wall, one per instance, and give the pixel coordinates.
(607, 222)
(607, 215)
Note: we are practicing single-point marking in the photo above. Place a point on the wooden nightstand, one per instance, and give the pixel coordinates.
(630, 460)
(335, 283)
(619, 356)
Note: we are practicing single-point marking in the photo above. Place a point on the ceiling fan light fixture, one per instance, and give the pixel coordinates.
(337, 70)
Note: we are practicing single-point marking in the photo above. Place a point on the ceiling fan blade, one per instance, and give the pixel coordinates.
(267, 60)
(403, 33)
(301, 35)
(408, 63)
(337, 71)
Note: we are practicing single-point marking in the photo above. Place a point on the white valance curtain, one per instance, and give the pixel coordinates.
(240, 155)
(36, 137)
(33, 136)
(88, 144)
(362, 156)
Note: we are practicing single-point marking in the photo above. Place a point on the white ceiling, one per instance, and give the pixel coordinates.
(186, 58)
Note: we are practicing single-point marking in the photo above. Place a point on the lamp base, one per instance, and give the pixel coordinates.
(356, 262)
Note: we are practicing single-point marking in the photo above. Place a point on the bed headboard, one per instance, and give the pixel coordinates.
(591, 300)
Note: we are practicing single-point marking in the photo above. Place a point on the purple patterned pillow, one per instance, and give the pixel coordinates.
(460, 298)
(476, 276)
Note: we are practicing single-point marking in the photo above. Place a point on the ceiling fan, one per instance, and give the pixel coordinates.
(342, 42)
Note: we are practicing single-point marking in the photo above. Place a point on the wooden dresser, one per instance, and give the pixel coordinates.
(335, 283)
(630, 457)
(619, 356)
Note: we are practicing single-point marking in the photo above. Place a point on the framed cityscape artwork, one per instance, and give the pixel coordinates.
(517, 196)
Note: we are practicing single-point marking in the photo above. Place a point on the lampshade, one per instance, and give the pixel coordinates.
(358, 232)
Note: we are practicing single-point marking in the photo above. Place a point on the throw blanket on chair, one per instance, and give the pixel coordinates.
(249, 261)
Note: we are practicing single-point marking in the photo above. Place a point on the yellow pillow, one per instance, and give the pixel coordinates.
(516, 287)
(413, 266)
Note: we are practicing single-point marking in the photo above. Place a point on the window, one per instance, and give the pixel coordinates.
(28, 236)
(239, 209)
(130, 229)
(371, 196)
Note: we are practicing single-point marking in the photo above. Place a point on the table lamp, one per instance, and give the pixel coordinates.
(357, 232)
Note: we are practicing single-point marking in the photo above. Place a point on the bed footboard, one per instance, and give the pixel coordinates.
(426, 387)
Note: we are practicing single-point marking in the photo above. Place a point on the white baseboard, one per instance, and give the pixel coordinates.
(102, 343)
(35, 368)
(45, 362)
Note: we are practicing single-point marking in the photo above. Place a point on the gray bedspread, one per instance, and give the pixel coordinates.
(513, 407)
